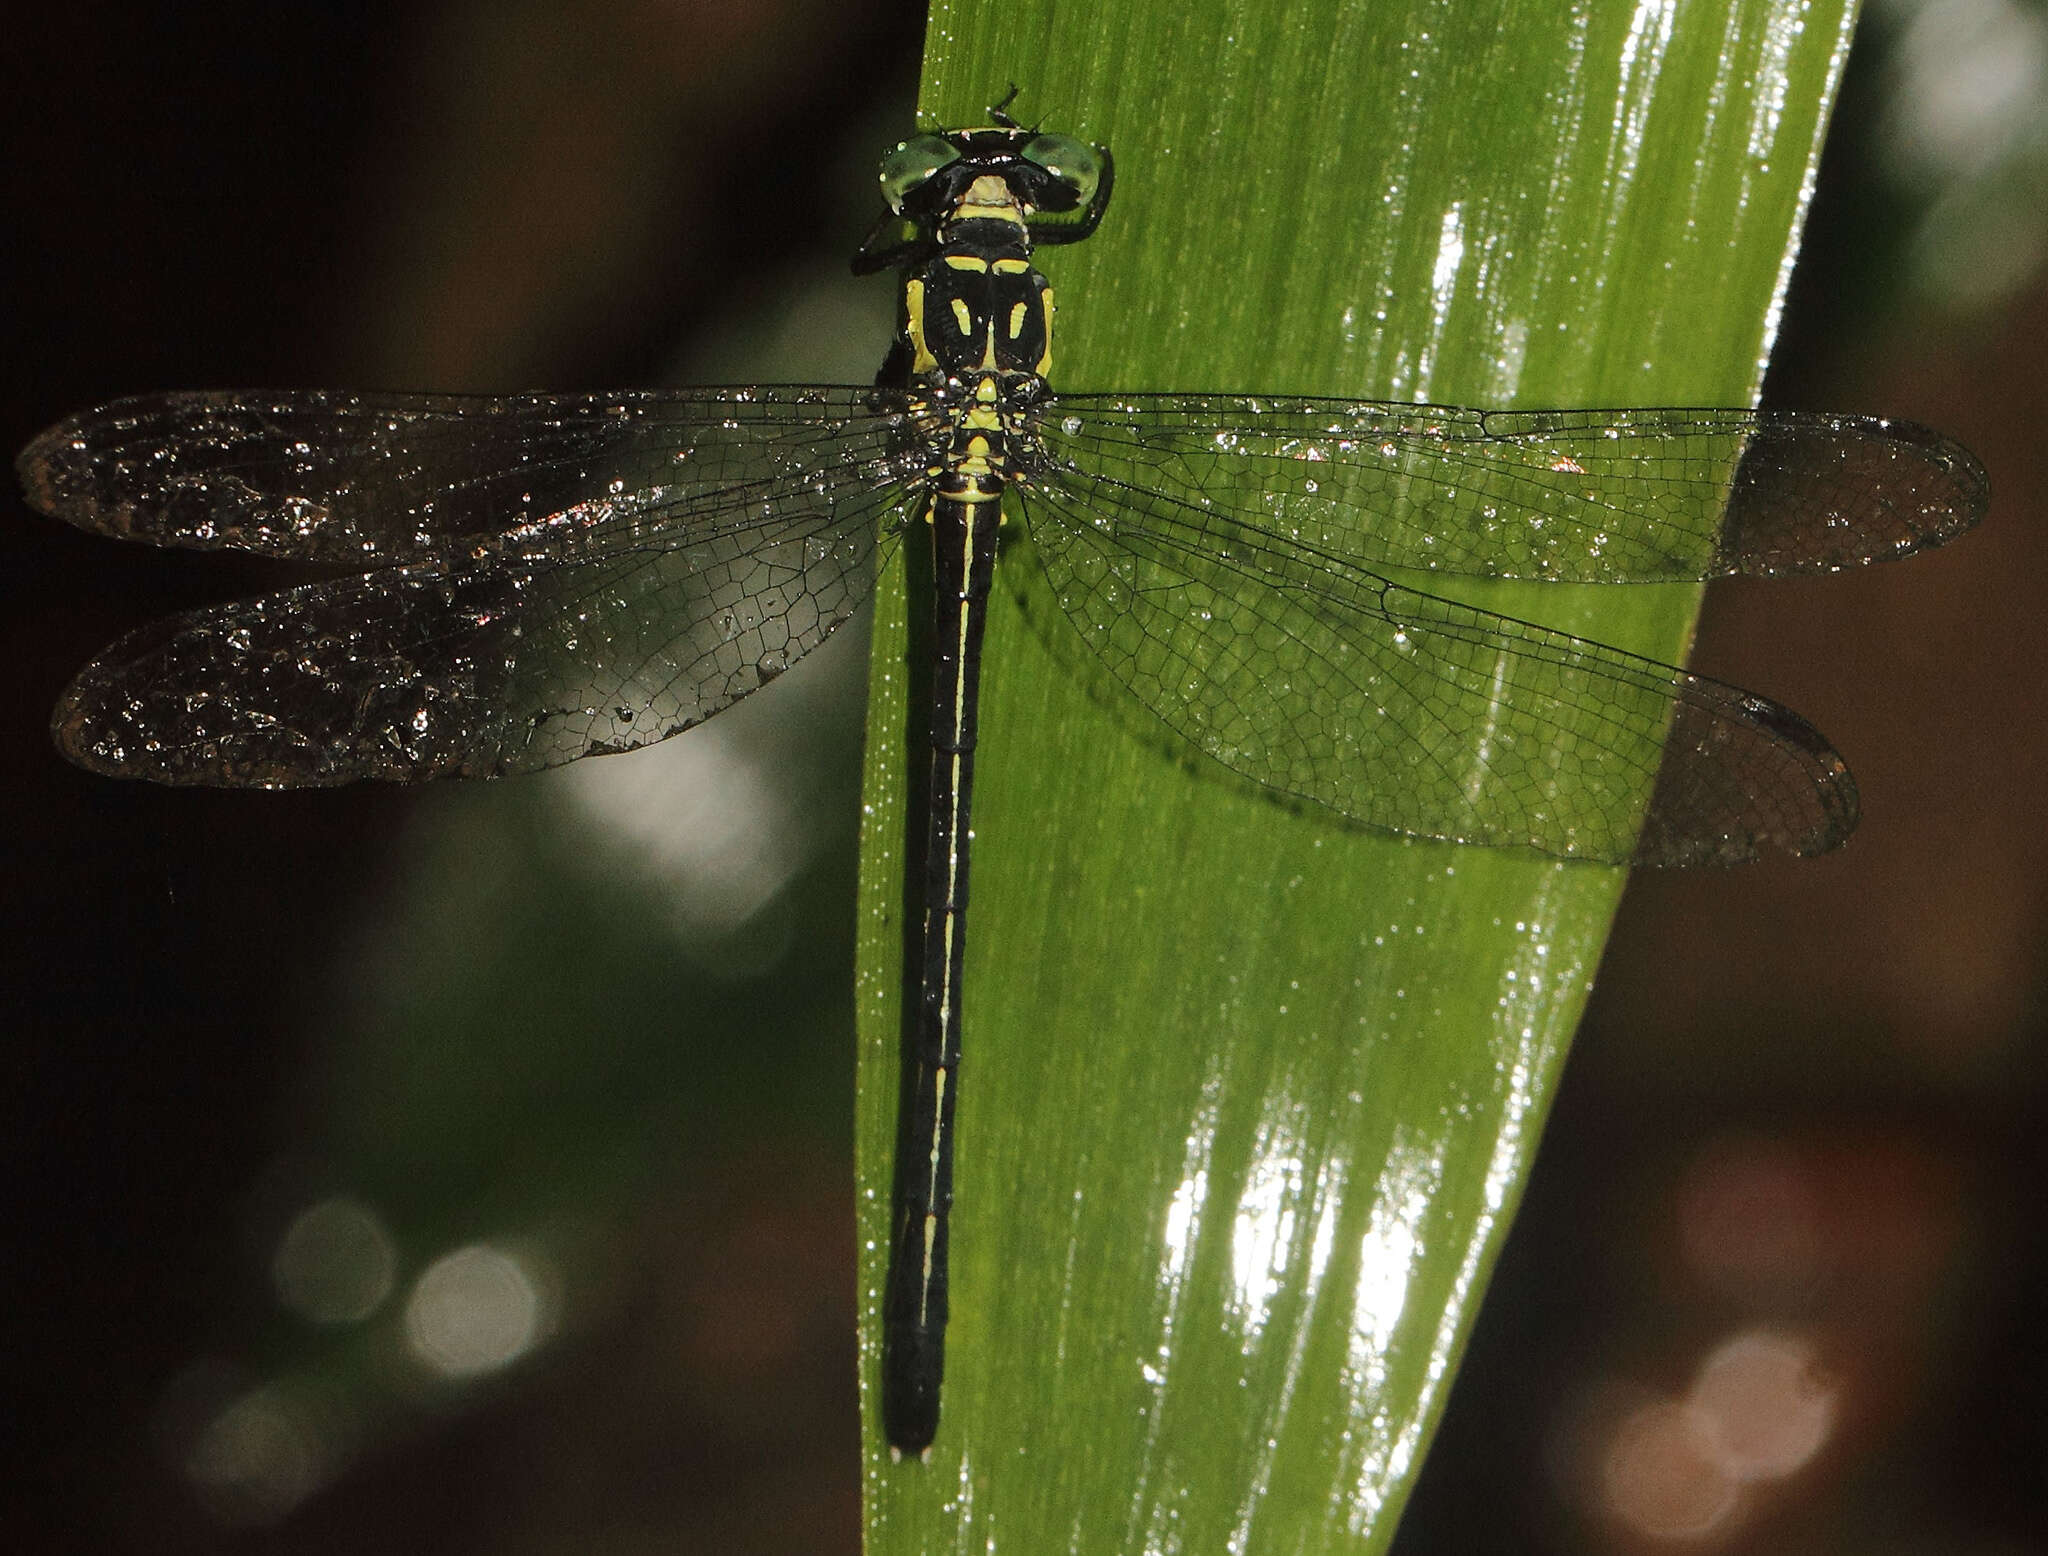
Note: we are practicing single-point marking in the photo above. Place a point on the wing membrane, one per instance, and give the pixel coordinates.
(1305, 672)
(604, 628)
(363, 479)
(560, 575)
(1603, 496)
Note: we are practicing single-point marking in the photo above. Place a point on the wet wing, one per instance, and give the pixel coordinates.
(366, 479)
(1307, 673)
(601, 627)
(1619, 496)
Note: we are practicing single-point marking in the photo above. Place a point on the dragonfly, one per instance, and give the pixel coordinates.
(534, 579)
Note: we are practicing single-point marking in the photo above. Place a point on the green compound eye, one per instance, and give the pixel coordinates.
(916, 160)
(1074, 163)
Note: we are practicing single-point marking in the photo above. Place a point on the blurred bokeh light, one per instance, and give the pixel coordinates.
(476, 1310)
(1964, 134)
(335, 1263)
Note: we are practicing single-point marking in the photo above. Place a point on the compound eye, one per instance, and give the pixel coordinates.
(912, 163)
(1074, 163)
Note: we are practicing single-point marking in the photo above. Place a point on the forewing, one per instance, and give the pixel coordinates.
(506, 660)
(1304, 672)
(1619, 496)
(367, 479)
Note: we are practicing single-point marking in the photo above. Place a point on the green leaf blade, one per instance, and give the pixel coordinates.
(1249, 1094)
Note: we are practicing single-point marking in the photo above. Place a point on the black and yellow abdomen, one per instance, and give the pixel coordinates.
(977, 339)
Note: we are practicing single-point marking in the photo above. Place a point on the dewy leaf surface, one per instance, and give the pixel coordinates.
(1249, 1095)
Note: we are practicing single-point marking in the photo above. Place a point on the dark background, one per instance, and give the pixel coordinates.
(1807, 1102)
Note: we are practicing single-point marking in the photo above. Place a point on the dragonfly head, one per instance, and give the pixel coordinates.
(1054, 188)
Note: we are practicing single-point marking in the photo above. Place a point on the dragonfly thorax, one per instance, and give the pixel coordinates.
(978, 307)
(981, 430)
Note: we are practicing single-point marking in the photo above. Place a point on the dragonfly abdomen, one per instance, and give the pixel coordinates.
(963, 572)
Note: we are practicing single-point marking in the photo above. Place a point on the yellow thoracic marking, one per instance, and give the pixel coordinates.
(1012, 267)
(1045, 357)
(975, 468)
(962, 317)
(922, 360)
(1017, 315)
(972, 262)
